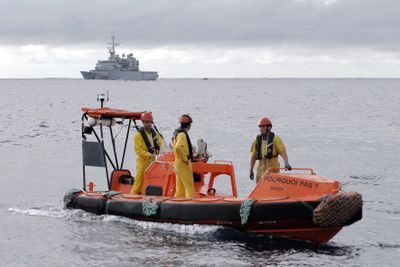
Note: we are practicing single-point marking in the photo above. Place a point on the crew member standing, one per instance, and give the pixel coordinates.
(183, 158)
(147, 144)
(266, 148)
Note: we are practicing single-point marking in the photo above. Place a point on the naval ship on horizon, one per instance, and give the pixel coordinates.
(118, 68)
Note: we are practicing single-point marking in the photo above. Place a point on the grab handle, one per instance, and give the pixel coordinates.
(296, 169)
(223, 161)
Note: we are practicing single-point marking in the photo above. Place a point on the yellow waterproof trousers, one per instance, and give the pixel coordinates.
(141, 166)
(263, 166)
(184, 179)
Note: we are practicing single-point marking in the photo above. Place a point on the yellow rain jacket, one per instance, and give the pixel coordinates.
(264, 164)
(143, 159)
(183, 168)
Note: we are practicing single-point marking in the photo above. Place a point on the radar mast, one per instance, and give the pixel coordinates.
(111, 49)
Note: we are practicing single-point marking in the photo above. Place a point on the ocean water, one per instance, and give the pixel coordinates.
(345, 129)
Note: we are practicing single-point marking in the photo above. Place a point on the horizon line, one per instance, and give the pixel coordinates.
(203, 77)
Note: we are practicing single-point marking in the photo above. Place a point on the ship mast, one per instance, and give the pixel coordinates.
(111, 49)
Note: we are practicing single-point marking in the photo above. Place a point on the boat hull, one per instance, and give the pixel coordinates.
(120, 75)
(292, 219)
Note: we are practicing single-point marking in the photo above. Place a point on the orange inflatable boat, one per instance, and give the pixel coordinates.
(297, 204)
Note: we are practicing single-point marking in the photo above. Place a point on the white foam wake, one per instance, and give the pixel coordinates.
(191, 229)
(80, 215)
(50, 212)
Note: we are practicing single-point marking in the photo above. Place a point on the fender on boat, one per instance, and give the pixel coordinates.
(90, 203)
(70, 196)
(192, 211)
(338, 209)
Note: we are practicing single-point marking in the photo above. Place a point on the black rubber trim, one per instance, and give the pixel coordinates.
(90, 204)
(282, 211)
(131, 209)
(203, 211)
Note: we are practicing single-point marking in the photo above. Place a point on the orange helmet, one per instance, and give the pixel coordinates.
(185, 118)
(147, 117)
(264, 122)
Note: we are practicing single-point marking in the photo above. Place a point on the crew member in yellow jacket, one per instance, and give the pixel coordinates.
(266, 148)
(147, 144)
(183, 158)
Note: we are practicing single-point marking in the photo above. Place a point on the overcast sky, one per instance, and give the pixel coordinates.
(204, 38)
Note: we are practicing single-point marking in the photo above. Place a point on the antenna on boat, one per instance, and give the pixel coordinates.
(102, 97)
(113, 44)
